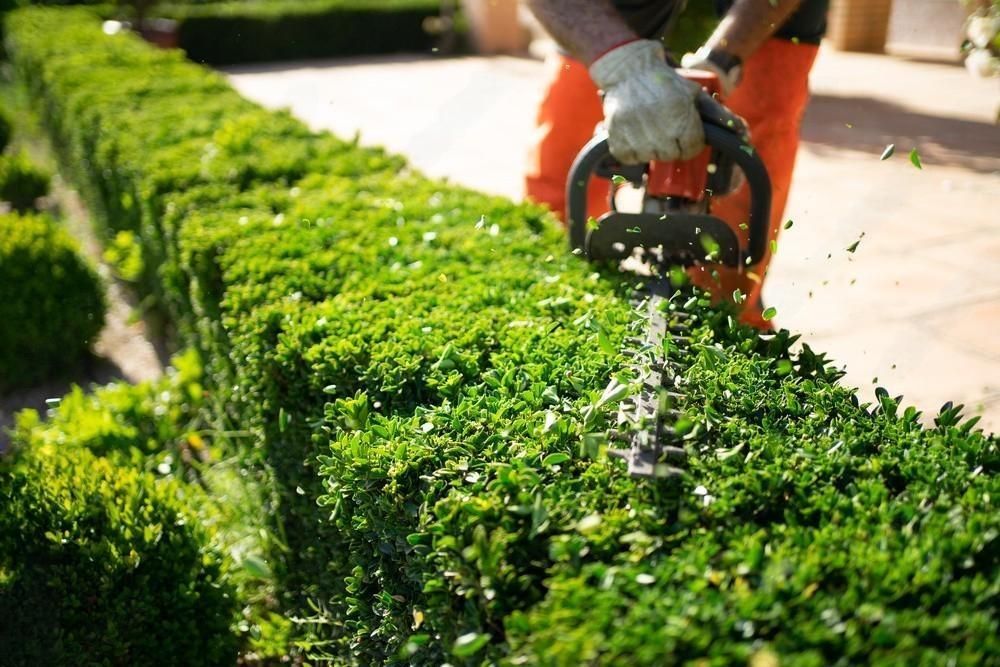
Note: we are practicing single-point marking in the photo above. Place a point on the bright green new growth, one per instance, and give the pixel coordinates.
(425, 367)
(51, 300)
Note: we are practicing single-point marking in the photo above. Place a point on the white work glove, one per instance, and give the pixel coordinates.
(699, 61)
(649, 109)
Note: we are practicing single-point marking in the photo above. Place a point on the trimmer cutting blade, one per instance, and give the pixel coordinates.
(675, 226)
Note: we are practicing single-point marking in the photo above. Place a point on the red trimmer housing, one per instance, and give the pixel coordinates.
(685, 180)
(675, 225)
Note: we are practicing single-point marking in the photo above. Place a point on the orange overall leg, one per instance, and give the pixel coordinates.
(772, 98)
(569, 112)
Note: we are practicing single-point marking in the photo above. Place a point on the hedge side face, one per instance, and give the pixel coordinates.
(422, 363)
(51, 300)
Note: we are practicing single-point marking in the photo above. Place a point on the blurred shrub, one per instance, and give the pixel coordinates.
(103, 565)
(51, 300)
(6, 128)
(22, 181)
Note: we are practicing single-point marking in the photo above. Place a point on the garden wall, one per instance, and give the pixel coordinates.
(420, 364)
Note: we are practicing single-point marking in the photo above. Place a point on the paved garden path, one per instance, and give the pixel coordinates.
(917, 305)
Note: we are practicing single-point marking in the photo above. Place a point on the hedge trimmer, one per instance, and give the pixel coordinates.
(674, 228)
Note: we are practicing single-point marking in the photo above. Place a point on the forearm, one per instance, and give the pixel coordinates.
(749, 23)
(585, 28)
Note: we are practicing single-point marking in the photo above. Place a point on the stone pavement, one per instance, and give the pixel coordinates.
(916, 307)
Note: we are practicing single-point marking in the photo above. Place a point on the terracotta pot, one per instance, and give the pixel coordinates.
(161, 32)
(859, 25)
(496, 26)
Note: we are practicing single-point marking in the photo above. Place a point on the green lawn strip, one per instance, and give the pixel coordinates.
(440, 351)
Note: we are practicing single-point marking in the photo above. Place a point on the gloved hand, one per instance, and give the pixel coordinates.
(649, 109)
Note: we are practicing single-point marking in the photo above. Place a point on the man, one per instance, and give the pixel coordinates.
(762, 52)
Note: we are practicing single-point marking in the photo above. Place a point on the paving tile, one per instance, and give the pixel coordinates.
(913, 361)
(971, 328)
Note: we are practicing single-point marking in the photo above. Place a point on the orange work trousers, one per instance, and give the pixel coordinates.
(771, 97)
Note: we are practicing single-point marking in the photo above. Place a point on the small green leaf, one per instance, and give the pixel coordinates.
(589, 523)
(413, 645)
(678, 276)
(915, 159)
(283, 420)
(618, 179)
(769, 313)
(555, 459)
(738, 296)
(604, 342)
(256, 567)
(853, 246)
(887, 153)
(469, 644)
(788, 225)
(709, 245)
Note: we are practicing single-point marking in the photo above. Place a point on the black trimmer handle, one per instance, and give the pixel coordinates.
(725, 142)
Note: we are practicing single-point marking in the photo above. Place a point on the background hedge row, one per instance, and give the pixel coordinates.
(421, 365)
(251, 31)
(242, 32)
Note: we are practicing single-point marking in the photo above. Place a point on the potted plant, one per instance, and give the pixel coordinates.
(159, 31)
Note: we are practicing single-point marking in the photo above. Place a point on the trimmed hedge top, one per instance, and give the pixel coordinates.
(422, 364)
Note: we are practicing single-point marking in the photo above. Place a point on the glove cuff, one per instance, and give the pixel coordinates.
(700, 61)
(623, 62)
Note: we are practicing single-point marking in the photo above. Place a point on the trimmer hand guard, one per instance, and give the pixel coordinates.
(676, 234)
(687, 238)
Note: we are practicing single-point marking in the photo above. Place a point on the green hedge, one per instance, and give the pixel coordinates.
(6, 128)
(51, 301)
(421, 363)
(22, 181)
(243, 32)
(102, 564)
(160, 428)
